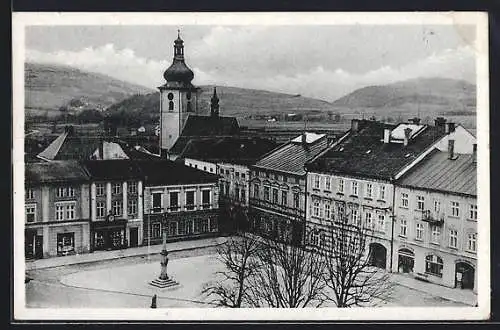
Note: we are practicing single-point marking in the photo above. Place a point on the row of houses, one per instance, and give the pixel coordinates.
(83, 206)
(412, 185)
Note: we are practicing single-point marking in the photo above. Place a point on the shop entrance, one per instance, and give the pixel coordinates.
(134, 237)
(378, 255)
(464, 276)
(33, 245)
(406, 261)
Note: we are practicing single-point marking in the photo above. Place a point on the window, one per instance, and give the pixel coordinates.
(355, 217)
(227, 188)
(404, 200)
(453, 238)
(315, 238)
(381, 222)
(368, 220)
(316, 208)
(316, 181)
(70, 211)
(156, 230)
(170, 97)
(65, 243)
(471, 243)
(420, 203)
(266, 193)
(455, 207)
(117, 188)
(30, 193)
(243, 194)
(204, 168)
(132, 187)
(156, 200)
(65, 192)
(132, 206)
(369, 188)
(237, 192)
(117, 208)
(341, 186)
(354, 188)
(221, 188)
(99, 189)
(437, 206)
(275, 195)
(381, 194)
(436, 233)
(420, 231)
(403, 228)
(340, 211)
(205, 198)
(296, 200)
(100, 210)
(434, 265)
(284, 198)
(327, 211)
(473, 211)
(256, 191)
(30, 213)
(174, 201)
(237, 175)
(214, 225)
(59, 212)
(189, 200)
(242, 175)
(328, 183)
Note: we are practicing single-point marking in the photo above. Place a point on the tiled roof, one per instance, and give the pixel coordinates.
(165, 172)
(112, 169)
(235, 150)
(364, 153)
(292, 156)
(197, 125)
(54, 171)
(437, 172)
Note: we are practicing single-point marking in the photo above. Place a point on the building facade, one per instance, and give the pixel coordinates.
(179, 200)
(116, 201)
(57, 211)
(278, 189)
(354, 180)
(436, 221)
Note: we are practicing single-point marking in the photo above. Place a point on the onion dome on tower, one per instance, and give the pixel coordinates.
(179, 72)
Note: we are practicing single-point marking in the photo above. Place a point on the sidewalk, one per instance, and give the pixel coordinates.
(461, 296)
(116, 254)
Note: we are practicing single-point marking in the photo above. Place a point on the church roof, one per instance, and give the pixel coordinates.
(197, 125)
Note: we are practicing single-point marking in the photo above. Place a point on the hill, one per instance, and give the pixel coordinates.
(48, 88)
(428, 95)
(238, 102)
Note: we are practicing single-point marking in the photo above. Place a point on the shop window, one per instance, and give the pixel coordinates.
(156, 230)
(65, 243)
(204, 226)
(172, 228)
(214, 225)
(434, 265)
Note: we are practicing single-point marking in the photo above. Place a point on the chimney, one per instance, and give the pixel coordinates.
(387, 135)
(407, 132)
(304, 138)
(474, 153)
(450, 128)
(354, 125)
(451, 149)
(70, 130)
(440, 123)
(415, 120)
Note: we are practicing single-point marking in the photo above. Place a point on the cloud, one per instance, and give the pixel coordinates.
(252, 70)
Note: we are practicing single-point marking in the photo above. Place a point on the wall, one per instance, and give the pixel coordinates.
(236, 176)
(201, 165)
(463, 141)
(462, 224)
(170, 120)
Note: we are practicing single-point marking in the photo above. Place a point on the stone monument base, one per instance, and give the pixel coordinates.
(163, 284)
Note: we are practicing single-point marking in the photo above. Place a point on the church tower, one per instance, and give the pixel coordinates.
(178, 98)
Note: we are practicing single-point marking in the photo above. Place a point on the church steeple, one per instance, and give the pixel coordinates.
(179, 71)
(214, 104)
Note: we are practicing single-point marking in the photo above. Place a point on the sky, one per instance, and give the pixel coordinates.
(320, 61)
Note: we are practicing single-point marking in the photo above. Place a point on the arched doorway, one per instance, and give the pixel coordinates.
(378, 255)
(406, 260)
(464, 276)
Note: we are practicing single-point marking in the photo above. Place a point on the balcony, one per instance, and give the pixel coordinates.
(284, 209)
(433, 218)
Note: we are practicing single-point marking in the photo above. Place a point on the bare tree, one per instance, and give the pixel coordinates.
(349, 272)
(289, 276)
(237, 256)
